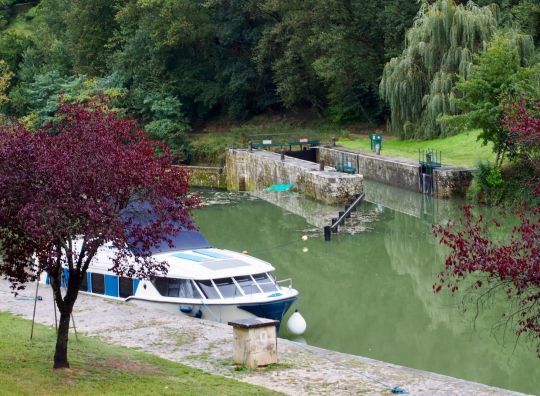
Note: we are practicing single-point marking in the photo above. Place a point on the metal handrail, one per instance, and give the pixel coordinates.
(278, 282)
(348, 211)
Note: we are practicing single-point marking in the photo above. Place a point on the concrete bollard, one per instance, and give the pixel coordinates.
(321, 165)
(333, 141)
(255, 342)
(250, 145)
(282, 156)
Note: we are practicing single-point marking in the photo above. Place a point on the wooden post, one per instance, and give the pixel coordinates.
(55, 317)
(74, 328)
(335, 229)
(327, 233)
(35, 303)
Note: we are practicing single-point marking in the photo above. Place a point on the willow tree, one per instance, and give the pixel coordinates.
(439, 48)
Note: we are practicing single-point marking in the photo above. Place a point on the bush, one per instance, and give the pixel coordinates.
(488, 185)
(502, 186)
(210, 150)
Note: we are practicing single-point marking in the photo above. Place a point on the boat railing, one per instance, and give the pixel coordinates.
(288, 280)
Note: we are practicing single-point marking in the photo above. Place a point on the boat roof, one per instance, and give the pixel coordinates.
(198, 264)
(212, 264)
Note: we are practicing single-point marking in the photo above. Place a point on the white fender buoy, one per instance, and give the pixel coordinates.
(296, 324)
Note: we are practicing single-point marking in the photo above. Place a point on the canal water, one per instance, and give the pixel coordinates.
(369, 291)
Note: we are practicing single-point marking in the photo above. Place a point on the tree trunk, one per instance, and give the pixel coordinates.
(60, 354)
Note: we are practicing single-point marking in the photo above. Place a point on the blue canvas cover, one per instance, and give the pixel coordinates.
(186, 239)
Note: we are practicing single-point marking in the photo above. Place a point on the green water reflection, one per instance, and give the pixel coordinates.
(370, 294)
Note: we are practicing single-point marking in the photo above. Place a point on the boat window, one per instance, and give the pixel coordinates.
(208, 289)
(173, 287)
(98, 283)
(188, 290)
(266, 284)
(161, 285)
(227, 288)
(126, 287)
(247, 284)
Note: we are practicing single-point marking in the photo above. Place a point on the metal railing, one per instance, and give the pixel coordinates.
(281, 140)
(289, 280)
(333, 228)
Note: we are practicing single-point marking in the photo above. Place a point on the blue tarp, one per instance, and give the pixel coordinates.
(142, 213)
(279, 187)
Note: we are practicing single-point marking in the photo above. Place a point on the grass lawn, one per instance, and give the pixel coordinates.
(462, 149)
(97, 368)
(209, 145)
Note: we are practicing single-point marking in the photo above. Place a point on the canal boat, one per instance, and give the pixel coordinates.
(202, 281)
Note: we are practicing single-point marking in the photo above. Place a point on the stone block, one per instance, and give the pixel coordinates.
(255, 342)
(261, 169)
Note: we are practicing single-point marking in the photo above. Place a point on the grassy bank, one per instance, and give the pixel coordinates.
(97, 368)
(463, 149)
(209, 144)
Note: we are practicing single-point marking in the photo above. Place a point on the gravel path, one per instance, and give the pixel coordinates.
(302, 370)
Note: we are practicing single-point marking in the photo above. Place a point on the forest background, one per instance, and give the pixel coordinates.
(178, 65)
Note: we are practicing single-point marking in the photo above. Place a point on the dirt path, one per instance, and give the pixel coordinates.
(301, 370)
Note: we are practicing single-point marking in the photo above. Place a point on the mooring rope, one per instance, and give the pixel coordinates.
(209, 310)
(29, 298)
(393, 389)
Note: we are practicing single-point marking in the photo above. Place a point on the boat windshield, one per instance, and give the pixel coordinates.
(227, 288)
(208, 289)
(266, 284)
(247, 284)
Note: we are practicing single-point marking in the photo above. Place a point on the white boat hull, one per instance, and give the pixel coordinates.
(222, 313)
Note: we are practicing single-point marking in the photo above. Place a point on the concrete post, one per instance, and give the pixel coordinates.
(255, 342)
(321, 165)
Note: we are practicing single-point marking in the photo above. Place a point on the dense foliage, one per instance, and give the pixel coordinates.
(176, 64)
(444, 47)
(511, 267)
(490, 83)
(439, 47)
(73, 186)
(503, 265)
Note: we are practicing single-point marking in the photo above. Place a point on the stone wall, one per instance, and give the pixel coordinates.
(257, 170)
(451, 182)
(448, 181)
(207, 176)
(394, 171)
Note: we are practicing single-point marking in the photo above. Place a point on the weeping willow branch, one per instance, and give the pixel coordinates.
(439, 48)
